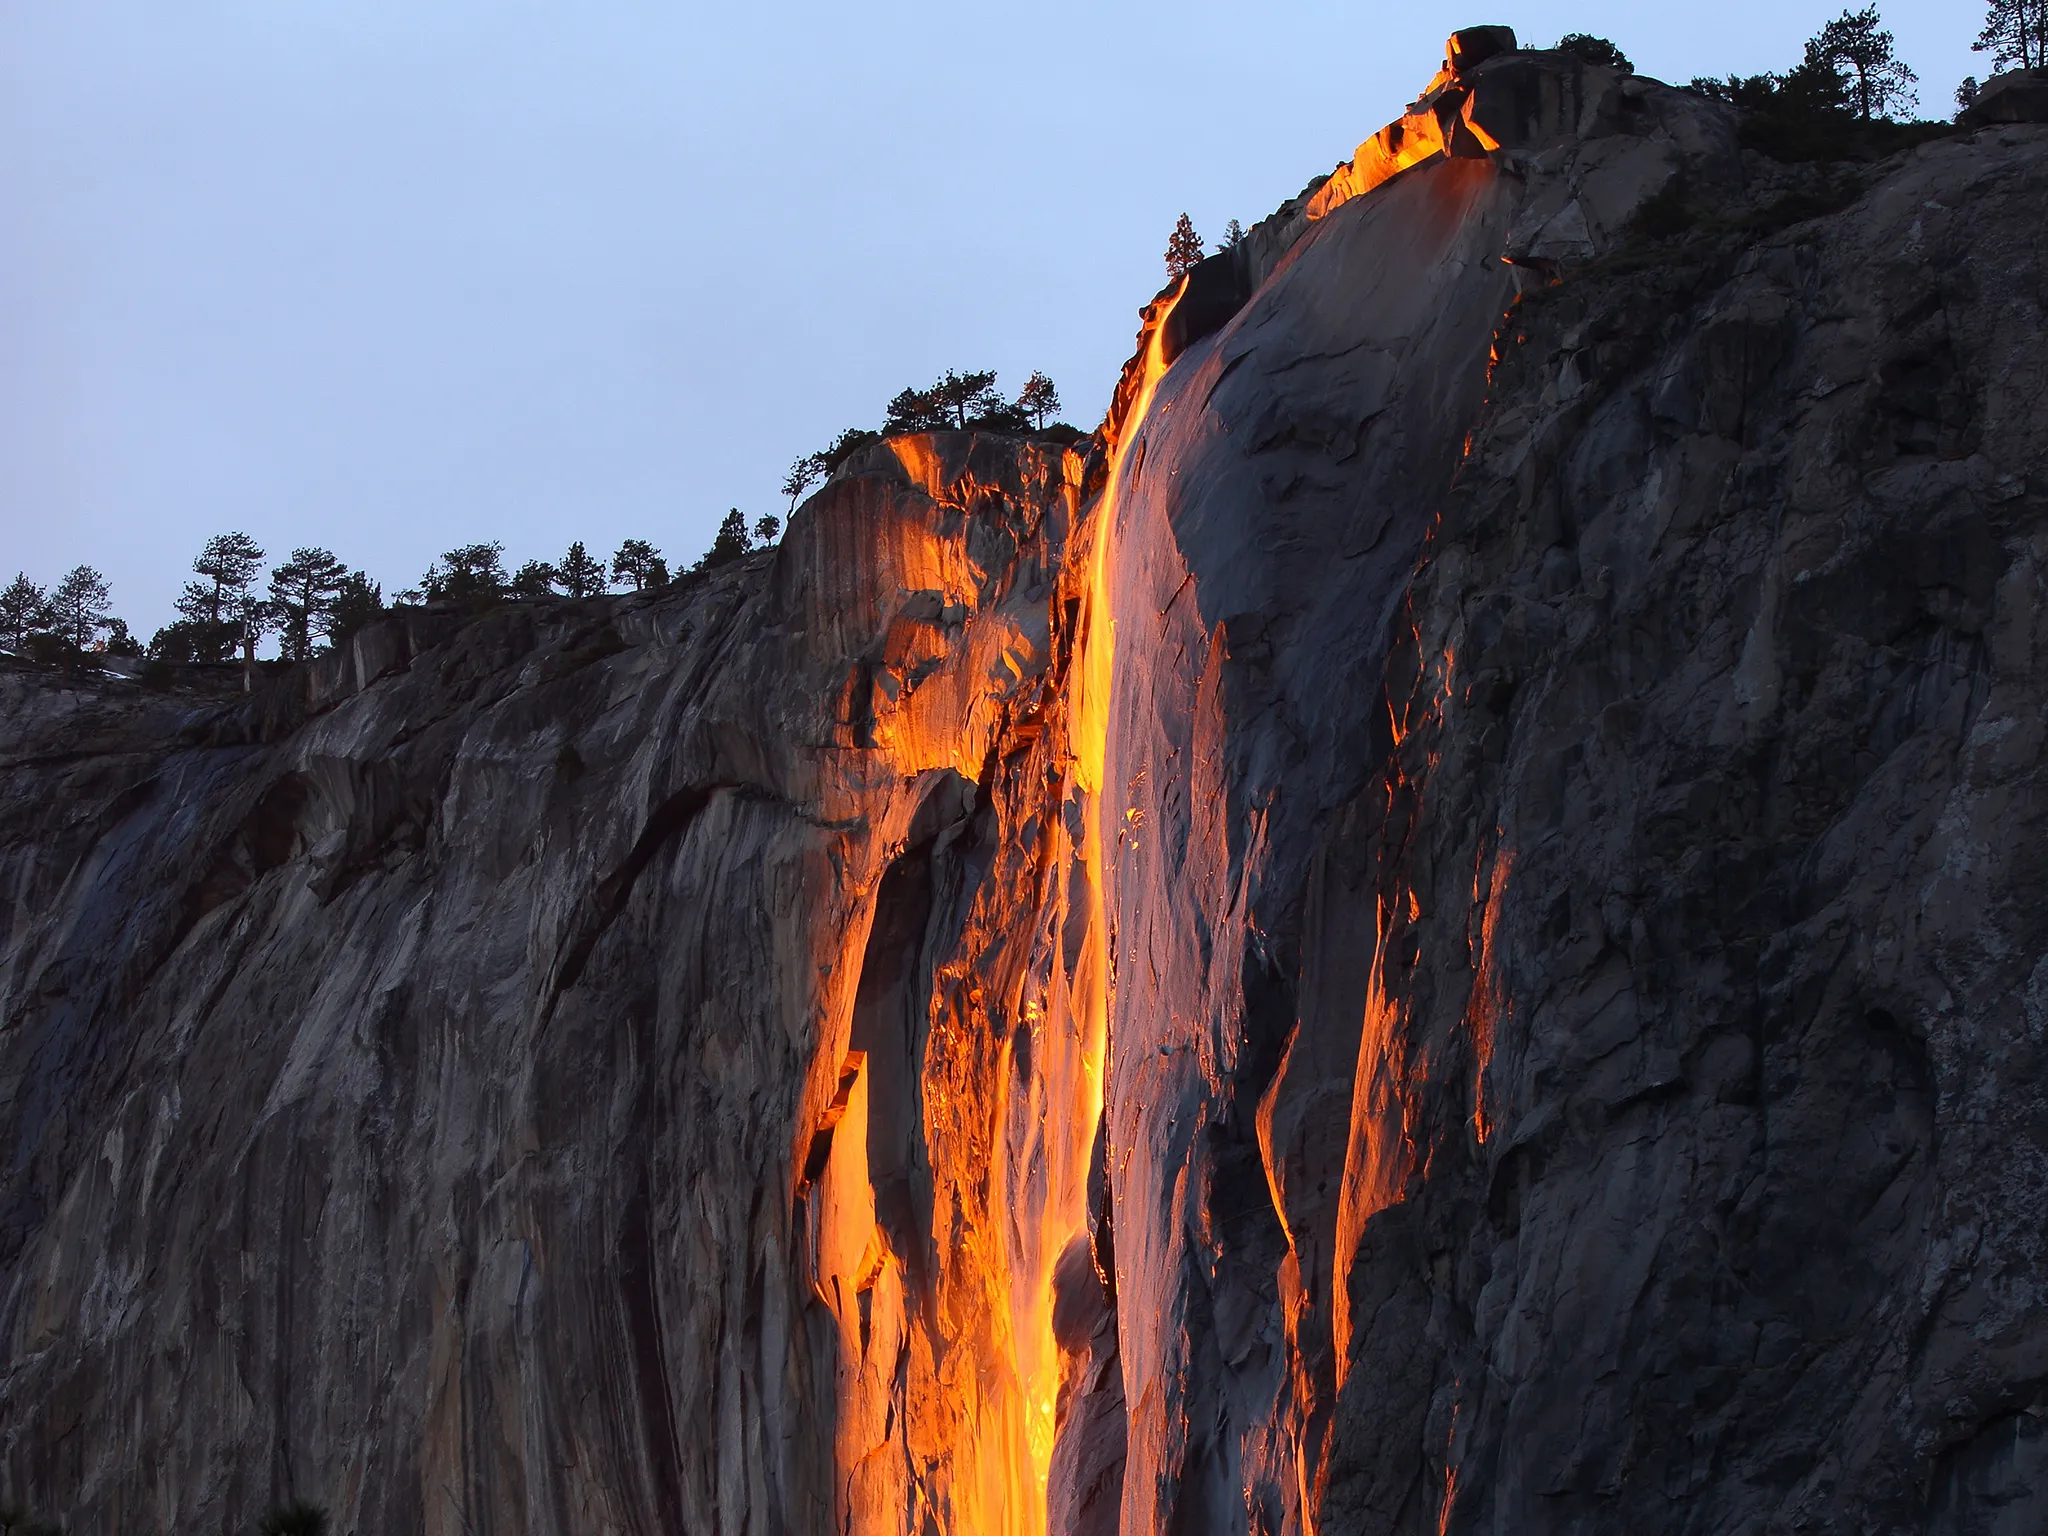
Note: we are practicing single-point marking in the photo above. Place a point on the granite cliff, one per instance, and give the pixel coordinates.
(1440, 929)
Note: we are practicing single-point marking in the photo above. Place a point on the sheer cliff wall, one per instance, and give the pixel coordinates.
(1436, 931)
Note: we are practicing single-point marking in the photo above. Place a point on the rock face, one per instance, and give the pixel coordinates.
(1440, 930)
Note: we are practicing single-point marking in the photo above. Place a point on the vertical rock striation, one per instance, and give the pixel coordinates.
(1436, 931)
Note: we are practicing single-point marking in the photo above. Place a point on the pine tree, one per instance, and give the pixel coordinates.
(915, 410)
(468, 573)
(803, 474)
(253, 619)
(768, 529)
(79, 606)
(536, 578)
(579, 574)
(230, 561)
(1183, 248)
(964, 396)
(1039, 400)
(1876, 81)
(228, 564)
(358, 602)
(302, 594)
(845, 446)
(1594, 50)
(640, 563)
(24, 611)
(732, 542)
(1233, 236)
(2015, 32)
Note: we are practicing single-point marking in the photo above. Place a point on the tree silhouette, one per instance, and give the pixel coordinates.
(1594, 50)
(536, 578)
(803, 474)
(358, 601)
(731, 543)
(846, 445)
(2015, 32)
(915, 410)
(1183, 248)
(640, 563)
(1875, 81)
(580, 574)
(209, 608)
(955, 403)
(24, 611)
(79, 608)
(253, 619)
(468, 573)
(1039, 400)
(1233, 236)
(768, 529)
(302, 593)
(965, 396)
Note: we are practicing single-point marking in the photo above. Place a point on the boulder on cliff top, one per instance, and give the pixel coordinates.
(1471, 46)
(2017, 96)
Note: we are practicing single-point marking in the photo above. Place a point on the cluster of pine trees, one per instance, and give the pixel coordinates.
(312, 599)
(37, 621)
(1851, 72)
(956, 402)
(1852, 79)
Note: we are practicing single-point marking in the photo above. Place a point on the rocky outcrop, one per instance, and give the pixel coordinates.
(1437, 931)
(2017, 96)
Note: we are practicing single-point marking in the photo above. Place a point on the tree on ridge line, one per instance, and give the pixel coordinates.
(210, 610)
(2015, 32)
(1875, 79)
(79, 608)
(640, 563)
(581, 573)
(1183, 248)
(302, 593)
(24, 611)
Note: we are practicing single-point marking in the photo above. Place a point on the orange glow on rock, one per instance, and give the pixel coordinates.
(1441, 122)
(1379, 1157)
(1474, 127)
(1485, 1013)
(1408, 141)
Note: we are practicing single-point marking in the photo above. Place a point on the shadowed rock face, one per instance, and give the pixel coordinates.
(1711, 867)
(1437, 932)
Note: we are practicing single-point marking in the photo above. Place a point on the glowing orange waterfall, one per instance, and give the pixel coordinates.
(951, 1381)
(1073, 1080)
(1061, 957)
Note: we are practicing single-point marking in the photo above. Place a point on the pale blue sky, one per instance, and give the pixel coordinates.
(391, 275)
